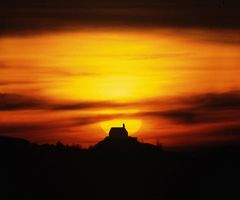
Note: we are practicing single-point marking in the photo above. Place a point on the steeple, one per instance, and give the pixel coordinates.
(123, 125)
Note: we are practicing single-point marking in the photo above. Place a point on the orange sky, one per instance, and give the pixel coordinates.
(175, 86)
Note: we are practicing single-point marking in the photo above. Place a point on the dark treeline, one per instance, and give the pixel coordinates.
(116, 170)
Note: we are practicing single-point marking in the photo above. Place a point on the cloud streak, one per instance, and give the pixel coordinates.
(28, 16)
(14, 102)
(201, 109)
(206, 117)
(222, 134)
(186, 110)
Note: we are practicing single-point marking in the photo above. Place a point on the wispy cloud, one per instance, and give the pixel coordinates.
(202, 118)
(9, 101)
(19, 102)
(221, 134)
(191, 109)
(206, 108)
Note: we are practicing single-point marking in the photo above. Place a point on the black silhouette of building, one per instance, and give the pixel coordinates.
(118, 132)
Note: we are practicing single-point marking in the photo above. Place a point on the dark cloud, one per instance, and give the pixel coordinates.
(11, 102)
(231, 131)
(218, 107)
(181, 116)
(30, 127)
(222, 131)
(227, 100)
(19, 102)
(176, 115)
(86, 105)
(29, 16)
(82, 121)
(3, 83)
(206, 108)
(54, 126)
(218, 112)
(218, 135)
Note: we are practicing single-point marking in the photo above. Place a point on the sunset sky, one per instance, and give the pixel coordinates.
(169, 70)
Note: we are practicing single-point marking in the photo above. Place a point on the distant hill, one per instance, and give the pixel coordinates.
(13, 142)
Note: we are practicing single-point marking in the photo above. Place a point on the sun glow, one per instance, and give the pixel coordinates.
(114, 74)
(116, 66)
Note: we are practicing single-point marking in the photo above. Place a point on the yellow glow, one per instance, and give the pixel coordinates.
(118, 65)
(121, 66)
(117, 111)
(132, 125)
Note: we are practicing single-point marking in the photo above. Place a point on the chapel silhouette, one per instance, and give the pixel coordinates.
(118, 132)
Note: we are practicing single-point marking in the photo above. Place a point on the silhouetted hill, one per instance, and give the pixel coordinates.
(116, 169)
(15, 143)
(127, 145)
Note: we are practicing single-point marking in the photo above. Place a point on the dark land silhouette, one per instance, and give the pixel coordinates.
(118, 167)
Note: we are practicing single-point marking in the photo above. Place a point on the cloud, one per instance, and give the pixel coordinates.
(30, 127)
(33, 129)
(199, 109)
(222, 134)
(85, 105)
(11, 102)
(227, 100)
(181, 116)
(213, 117)
(82, 121)
(3, 83)
(232, 131)
(30, 16)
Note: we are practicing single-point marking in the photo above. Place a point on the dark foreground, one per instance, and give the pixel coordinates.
(116, 170)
